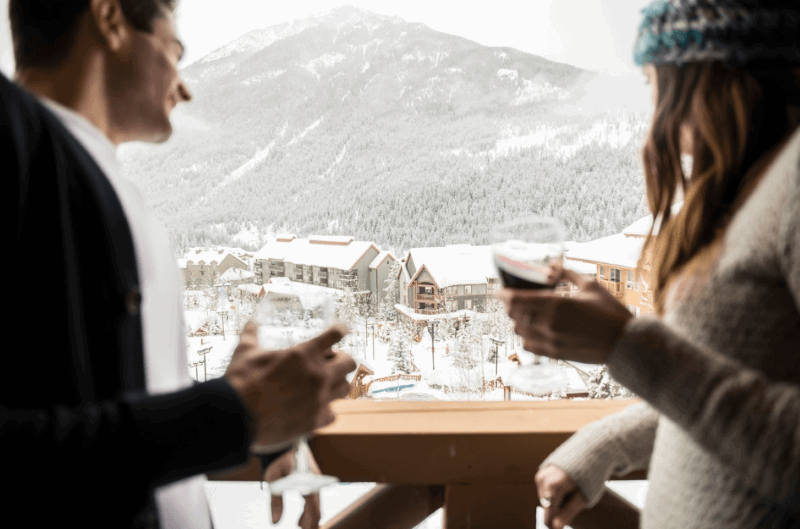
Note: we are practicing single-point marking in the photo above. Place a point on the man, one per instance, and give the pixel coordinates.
(100, 424)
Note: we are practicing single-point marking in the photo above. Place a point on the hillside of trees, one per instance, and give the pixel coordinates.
(389, 132)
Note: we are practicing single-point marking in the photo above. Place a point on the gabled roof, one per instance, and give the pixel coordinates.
(236, 274)
(455, 265)
(250, 288)
(641, 227)
(615, 250)
(323, 251)
(207, 256)
(278, 248)
(380, 257)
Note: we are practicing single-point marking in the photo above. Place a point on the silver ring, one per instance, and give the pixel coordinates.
(546, 502)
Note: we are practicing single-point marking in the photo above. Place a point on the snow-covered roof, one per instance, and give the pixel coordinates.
(328, 252)
(278, 281)
(278, 248)
(330, 239)
(409, 312)
(380, 257)
(580, 267)
(641, 227)
(236, 274)
(616, 250)
(216, 253)
(250, 288)
(208, 256)
(460, 264)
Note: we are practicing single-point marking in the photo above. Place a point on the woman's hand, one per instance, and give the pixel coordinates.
(581, 328)
(283, 467)
(560, 497)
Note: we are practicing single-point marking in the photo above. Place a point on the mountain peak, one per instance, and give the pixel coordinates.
(338, 17)
(348, 14)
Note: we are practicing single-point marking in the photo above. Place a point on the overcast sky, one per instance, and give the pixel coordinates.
(591, 34)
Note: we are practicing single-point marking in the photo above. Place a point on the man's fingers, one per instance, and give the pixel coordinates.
(568, 512)
(324, 418)
(249, 335)
(311, 512)
(277, 508)
(322, 343)
(339, 365)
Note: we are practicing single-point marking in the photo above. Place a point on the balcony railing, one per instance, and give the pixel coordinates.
(426, 297)
(475, 460)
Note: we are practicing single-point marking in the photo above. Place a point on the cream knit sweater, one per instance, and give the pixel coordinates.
(719, 431)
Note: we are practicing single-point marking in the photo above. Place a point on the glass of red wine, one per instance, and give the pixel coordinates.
(529, 254)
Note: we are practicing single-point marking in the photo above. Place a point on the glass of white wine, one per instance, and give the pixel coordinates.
(285, 319)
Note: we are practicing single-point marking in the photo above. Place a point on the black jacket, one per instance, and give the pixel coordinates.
(80, 439)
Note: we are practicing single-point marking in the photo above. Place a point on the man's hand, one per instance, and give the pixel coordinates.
(283, 467)
(583, 328)
(288, 393)
(560, 497)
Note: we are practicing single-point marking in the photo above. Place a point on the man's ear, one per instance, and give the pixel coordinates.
(111, 24)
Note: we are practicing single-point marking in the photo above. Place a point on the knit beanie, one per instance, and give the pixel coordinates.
(739, 33)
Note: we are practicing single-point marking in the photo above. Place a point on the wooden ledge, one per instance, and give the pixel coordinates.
(435, 443)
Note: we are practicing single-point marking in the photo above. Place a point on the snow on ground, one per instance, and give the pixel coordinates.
(274, 74)
(303, 134)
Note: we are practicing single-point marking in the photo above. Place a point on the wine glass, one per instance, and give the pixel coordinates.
(286, 318)
(529, 254)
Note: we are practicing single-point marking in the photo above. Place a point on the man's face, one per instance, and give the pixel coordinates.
(145, 84)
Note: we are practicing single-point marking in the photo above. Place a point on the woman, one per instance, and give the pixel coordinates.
(718, 369)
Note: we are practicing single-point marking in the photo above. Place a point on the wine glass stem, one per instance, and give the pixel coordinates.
(302, 455)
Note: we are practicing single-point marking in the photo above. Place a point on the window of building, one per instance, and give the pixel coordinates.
(615, 275)
(468, 304)
(630, 279)
(468, 289)
(602, 271)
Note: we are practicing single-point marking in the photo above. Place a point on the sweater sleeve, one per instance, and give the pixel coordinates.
(617, 444)
(174, 435)
(751, 423)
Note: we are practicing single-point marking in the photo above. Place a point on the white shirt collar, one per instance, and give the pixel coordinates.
(93, 140)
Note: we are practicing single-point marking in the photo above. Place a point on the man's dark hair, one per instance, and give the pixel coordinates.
(43, 31)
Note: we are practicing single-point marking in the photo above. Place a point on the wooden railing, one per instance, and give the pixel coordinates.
(475, 460)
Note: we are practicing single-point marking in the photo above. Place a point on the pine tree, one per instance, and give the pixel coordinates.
(400, 353)
(464, 356)
(391, 291)
(347, 310)
(602, 386)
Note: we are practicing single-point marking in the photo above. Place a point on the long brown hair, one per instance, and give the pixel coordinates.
(737, 119)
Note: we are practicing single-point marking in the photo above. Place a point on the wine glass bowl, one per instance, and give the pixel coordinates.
(529, 253)
(286, 318)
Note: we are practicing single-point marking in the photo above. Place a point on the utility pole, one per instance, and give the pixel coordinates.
(223, 315)
(432, 329)
(203, 353)
(195, 365)
(497, 342)
(366, 341)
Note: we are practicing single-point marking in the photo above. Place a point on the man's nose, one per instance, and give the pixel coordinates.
(184, 94)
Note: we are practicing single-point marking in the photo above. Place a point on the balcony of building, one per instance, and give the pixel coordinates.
(476, 461)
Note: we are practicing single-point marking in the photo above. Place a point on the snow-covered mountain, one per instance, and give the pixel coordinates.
(357, 123)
